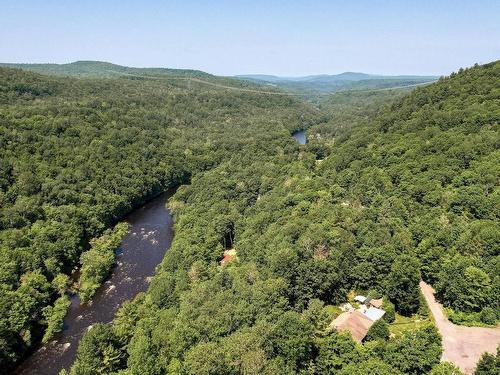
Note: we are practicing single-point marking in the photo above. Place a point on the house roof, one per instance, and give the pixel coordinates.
(227, 258)
(377, 302)
(374, 314)
(229, 255)
(354, 322)
(361, 299)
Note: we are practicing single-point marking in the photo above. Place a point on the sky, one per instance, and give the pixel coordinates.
(287, 38)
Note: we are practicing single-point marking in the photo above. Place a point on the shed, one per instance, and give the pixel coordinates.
(360, 299)
(377, 302)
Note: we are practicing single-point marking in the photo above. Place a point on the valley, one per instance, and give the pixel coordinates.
(284, 206)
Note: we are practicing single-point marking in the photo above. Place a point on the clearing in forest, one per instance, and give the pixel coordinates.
(463, 346)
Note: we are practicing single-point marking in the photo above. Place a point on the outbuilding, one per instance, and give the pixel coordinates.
(373, 313)
(360, 299)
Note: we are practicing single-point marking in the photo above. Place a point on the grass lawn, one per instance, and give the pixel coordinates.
(333, 311)
(403, 323)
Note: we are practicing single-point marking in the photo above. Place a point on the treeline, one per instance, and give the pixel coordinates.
(78, 154)
(409, 194)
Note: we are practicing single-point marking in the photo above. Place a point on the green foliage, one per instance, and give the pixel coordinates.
(403, 284)
(98, 352)
(488, 315)
(445, 368)
(317, 315)
(54, 315)
(79, 154)
(415, 352)
(478, 287)
(292, 339)
(61, 283)
(463, 286)
(20, 309)
(371, 366)
(336, 351)
(390, 202)
(378, 331)
(400, 194)
(390, 311)
(98, 261)
(488, 364)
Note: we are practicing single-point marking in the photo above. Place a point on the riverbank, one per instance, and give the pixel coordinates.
(143, 247)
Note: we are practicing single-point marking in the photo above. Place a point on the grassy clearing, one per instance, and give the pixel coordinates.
(403, 324)
(333, 310)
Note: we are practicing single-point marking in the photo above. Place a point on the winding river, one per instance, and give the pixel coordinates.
(144, 246)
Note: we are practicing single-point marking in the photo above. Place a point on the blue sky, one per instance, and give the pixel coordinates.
(273, 37)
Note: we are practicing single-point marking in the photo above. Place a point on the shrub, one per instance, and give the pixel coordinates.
(55, 317)
(488, 316)
(488, 364)
(445, 368)
(378, 331)
(390, 312)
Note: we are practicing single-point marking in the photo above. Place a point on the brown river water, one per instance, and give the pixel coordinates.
(143, 248)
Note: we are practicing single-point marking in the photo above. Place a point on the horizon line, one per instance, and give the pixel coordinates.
(238, 74)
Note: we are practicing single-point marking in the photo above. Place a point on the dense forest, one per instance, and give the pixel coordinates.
(391, 188)
(409, 193)
(78, 154)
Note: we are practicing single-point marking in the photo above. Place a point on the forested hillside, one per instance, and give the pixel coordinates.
(78, 154)
(348, 81)
(101, 69)
(412, 193)
(105, 70)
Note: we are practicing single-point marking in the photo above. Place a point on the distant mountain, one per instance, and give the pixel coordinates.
(307, 85)
(336, 82)
(346, 76)
(101, 69)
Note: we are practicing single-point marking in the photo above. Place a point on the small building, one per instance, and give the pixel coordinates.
(373, 313)
(360, 299)
(377, 302)
(229, 256)
(355, 322)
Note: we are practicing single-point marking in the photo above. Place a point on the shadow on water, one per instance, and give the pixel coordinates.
(143, 247)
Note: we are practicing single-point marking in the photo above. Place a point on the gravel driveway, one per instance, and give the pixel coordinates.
(462, 345)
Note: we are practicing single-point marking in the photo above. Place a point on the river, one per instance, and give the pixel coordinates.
(144, 247)
(300, 136)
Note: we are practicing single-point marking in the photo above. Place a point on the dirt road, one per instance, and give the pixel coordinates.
(462, 346)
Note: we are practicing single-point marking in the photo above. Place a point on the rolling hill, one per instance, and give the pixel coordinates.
(410, 193)
(325, 83)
